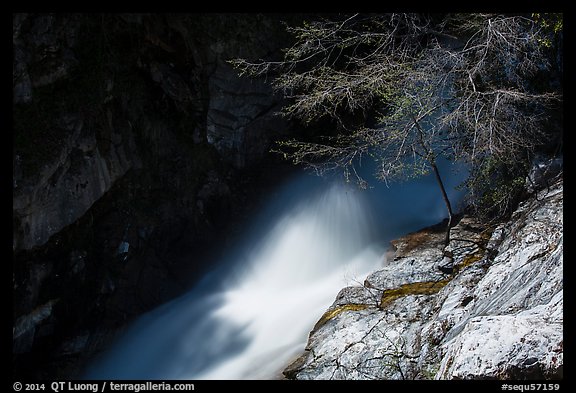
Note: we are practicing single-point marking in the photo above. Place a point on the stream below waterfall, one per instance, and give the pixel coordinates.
(250, 316)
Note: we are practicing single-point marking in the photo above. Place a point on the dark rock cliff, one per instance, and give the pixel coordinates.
(96, 96)
(134, 144)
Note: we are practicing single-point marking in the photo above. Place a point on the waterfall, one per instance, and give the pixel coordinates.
(248, 320)
(250, 316)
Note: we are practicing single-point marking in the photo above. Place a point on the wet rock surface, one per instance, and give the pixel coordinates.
(497, 315)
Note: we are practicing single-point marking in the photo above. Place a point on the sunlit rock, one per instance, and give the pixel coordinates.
(497, 315)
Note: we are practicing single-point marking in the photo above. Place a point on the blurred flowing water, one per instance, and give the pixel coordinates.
(251, 315)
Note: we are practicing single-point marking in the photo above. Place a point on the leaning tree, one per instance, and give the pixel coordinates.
(463, 87)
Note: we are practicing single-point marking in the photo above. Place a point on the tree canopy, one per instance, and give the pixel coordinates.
(405, 89)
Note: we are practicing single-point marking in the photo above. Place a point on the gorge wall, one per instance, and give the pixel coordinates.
(98, 95)
(134, 147)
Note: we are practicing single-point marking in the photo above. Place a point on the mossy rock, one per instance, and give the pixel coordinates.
(328, 315)
(414, 288)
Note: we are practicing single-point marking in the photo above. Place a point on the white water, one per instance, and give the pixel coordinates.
(292, 277)
(257, 318)
(250, 317)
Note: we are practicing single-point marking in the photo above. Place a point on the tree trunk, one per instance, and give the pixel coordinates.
(431, 159)
(446, 201)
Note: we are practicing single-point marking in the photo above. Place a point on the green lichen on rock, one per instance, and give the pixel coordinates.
(470, 259)
(412, 241)
(414, 288)
(477, 255)
(330, 314)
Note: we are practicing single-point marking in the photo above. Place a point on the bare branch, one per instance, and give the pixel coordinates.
(462, 88)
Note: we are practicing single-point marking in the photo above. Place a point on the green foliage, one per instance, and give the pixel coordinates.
(495, 187)
(551, 27)
(550, 22)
